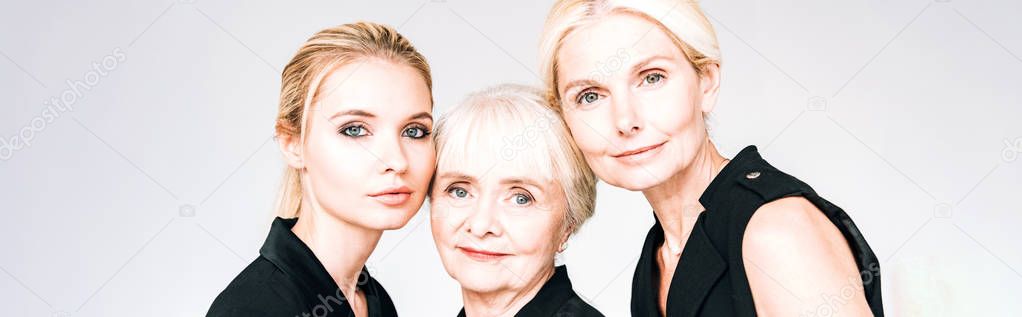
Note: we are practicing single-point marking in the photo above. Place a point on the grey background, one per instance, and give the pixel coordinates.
(157, 188)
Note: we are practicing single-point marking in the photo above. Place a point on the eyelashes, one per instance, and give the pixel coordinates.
(649, 78)
(522, 199)
(653, 78)
(357, 130)
(456, 192)
(586, 97)
(519, 197)
(353, 130)
(416, 132)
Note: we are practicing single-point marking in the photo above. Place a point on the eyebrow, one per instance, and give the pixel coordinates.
(634, 69)
(367, 114)
(457, 176)
(421, 115)
(580, 82)
(523, 181)
(353, 112)
(506, 181)
(648, 60)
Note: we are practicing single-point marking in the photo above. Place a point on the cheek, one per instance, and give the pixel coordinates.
(422, 164)
(436, 223)
(533, 236)
(675, 109)
(584, 127)
(336, 165)
(445, 219)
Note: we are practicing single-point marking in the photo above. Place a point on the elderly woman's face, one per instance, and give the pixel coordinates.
(497, 224)
(632, 100)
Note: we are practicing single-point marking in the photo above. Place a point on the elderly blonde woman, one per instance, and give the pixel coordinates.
(733, 237)
(509, 190)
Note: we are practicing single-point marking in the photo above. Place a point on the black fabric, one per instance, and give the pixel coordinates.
(555, 298)
(287, 280)
(710, 279)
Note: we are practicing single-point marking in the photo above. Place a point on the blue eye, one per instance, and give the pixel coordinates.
(457, 192)
(521, 199)
(415, 132)
(587, 98)
(354, 131)
(652, 78)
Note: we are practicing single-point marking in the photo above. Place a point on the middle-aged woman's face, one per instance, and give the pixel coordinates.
(633, 101)
(368, 153)
(497, 223)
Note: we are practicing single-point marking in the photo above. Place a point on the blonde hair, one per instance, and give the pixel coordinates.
(323, 52)
(682, 20)
(543, 143)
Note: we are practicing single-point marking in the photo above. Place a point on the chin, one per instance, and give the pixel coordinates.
(635, 178)
(387, 218)
(477, 280)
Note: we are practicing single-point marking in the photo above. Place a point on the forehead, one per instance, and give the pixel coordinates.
(373, 84)
(612, 43)
(495, 150)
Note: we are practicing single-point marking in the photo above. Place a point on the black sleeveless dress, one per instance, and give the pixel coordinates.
(288, 280)
(710, 280)
(555, 299)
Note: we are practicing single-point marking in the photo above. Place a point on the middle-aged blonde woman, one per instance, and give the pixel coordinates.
(510, 189)
(634, 80)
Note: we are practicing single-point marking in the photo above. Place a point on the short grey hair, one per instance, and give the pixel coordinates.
(463, 129)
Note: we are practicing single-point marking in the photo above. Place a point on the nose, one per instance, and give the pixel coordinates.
(484, 220)
(392, 156)
(626, 120)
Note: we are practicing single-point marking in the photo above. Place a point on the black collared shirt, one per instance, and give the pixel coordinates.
(710, 279)
(555, 298)
(287, 280)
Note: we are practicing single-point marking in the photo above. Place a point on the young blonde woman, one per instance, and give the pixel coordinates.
(634, 80)
(354, 128)
(510, 189)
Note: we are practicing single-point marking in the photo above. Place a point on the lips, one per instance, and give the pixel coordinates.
(393, 196)
(639, 150)
(481, 255)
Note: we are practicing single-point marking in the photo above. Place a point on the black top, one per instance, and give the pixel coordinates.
(555, 298)
(287, 280)
(710, 279)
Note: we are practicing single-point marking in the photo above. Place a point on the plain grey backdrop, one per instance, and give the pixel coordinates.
(139, 170)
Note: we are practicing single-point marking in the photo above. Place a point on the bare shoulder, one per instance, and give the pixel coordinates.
(793, 230)
(789, 219)
(793, 254)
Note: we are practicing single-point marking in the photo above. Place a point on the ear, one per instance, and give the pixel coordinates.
(709, 85)
(291, 147)
(562, 242)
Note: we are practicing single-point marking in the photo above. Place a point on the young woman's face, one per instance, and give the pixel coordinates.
(497, 225)
(368, 152)
(633, 101)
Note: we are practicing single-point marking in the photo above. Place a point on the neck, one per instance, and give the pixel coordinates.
(675, 201)
(340, 246)
(504, 302)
